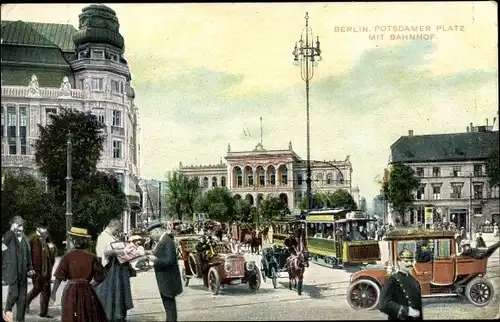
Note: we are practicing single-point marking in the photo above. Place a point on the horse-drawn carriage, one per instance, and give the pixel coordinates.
(441, 272)
(223, 267)
(273, 262)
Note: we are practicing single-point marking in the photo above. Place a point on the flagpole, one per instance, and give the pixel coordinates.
(261, 130)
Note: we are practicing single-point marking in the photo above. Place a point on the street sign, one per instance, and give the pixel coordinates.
(429, 218)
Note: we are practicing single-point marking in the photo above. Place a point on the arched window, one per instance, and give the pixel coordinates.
(319, 178)
(239, 177)
(223, 181)
(272, 176)
(214, 182)
(205, 182)
(262, 177)
(329, 178)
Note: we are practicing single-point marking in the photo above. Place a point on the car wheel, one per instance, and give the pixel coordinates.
(363, 295)
(214, 281)
(479, 291)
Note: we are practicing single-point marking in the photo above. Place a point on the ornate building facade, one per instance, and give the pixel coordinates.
(257, 173)
(46, 67)
(453, 177)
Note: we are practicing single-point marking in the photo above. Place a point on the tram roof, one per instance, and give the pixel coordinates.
(418, 233)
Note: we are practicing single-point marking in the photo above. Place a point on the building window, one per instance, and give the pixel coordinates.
(436, 192)
(421, 192)
(329, 178)
(478, 170)
(456, 171)
(284, 178)
(11, 129)
(97, 84)
(436, 171)
(49, 111)
(205, 182)
(250, 178)
(3, 123)
(300, 179)
(478, 191)
(97, 54)
(117, 149)
(494, 192)
(420, 171)
(456, 191)
(477, 210)
(117, 118)
(116, 87)
(341, 179)
(223, 181)
(23, 126)
(113, 57)
(120, 177)
(262, 177)
(81, 83)
(273, 176)
(319, 178)
(239, 175)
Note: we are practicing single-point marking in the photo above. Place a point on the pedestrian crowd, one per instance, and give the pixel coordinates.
(97, 284)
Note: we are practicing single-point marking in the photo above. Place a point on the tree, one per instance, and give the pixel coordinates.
(493, 168)
(23, 195)
(87, 138)
(243, 211)
(317, 202)
(97, 196)
(272, 207)
(218, 204)
(400, 187)
(362, 204)
(182, 194)
(98, 200)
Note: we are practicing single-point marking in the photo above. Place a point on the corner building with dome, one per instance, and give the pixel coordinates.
(46, 67)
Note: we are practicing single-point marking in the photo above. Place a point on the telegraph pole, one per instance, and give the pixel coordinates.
(69, 182)
(470, 206)
(159, 200)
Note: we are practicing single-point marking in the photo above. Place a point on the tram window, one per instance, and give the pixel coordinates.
(407, 244)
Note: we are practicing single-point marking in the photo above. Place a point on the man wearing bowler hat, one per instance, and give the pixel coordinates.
(16, 268)
(166, 268)
(43, 257)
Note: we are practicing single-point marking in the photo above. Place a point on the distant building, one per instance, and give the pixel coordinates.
(255, 174)
(453, 175)
(48, 66)
(378, 206)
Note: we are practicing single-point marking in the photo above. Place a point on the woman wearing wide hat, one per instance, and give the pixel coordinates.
(79, 267)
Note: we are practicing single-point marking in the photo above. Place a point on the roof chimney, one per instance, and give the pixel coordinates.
(410, 132)
(471, 127)
(467, 129)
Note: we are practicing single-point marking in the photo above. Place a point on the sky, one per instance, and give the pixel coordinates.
(204, 72)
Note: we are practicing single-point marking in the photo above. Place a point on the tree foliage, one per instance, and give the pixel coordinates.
(97, 196)
(493, 168)
(272, 207)
(243, 211)
(337, 199)
(401, 186)
(183, 193)
(98, 200)
(87, 139)
(218, 204)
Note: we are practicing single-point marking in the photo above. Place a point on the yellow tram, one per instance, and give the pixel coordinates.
(336, 237)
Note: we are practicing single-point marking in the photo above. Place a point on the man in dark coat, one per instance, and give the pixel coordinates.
(16, 268)
(43, 256)
(401, 297)
(166, 268)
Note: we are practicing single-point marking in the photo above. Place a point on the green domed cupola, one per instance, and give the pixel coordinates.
(98, 24)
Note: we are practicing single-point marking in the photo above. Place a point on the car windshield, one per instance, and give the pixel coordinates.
(222, 248)
(426, 249)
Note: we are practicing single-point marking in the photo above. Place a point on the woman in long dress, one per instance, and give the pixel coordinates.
(79, 267)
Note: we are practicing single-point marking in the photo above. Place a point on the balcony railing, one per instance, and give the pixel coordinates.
(44, 92)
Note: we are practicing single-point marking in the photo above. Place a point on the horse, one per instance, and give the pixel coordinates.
(256, 242)
(265, 235)
(247, 240)
(296, 266)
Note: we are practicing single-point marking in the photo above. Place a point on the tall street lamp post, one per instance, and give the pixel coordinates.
(69, 182)
(306, 56)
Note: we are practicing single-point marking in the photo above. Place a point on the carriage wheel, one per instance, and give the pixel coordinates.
(274, 277)
(213, 281)
(363, 294)
(479, 291)
(254, 284)
(194, 266)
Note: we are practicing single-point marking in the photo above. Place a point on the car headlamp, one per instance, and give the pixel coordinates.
(228, 266)
(250, 266)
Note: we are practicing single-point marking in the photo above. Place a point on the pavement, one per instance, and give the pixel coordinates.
(323, 298)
